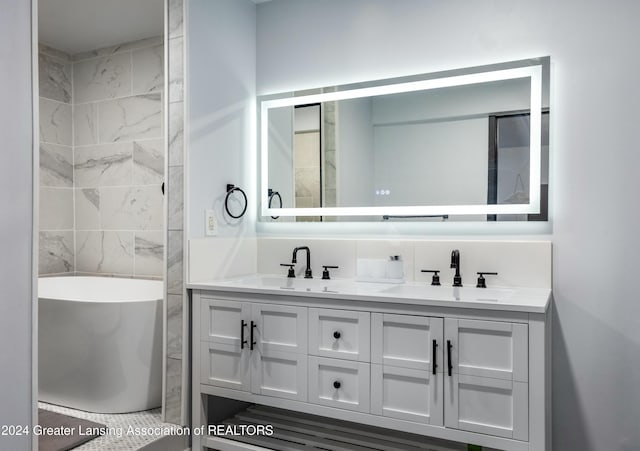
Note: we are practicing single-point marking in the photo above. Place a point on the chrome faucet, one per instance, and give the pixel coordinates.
(307, 271)
(455, 263)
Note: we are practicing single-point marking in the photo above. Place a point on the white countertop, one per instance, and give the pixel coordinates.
(532, 300)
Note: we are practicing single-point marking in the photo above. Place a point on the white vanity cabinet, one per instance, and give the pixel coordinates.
(463, 374)
(339, 383)
(261, 348)
(468, 375)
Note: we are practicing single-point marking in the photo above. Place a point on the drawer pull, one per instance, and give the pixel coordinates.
(253, 343)
(434, 350)
(450, 364)
(337, 334)
(336, 384)
(243, 342)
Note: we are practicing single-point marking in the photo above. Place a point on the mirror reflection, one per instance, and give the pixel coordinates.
(452, 146)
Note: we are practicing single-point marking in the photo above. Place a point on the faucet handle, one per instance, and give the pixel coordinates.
(435, 280)
(325, 272)
(481, 280)
(291, 272)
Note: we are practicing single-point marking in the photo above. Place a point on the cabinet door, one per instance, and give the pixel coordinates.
(339, 383)
(487, 391)
(223, 321)
(488, 348)
(225, 366)
(342, 334)
(407, 394)
(279, 328)
(487, 406)
(279, 374)
(407, 341)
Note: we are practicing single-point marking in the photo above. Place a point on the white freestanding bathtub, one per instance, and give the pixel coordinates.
(100, 343)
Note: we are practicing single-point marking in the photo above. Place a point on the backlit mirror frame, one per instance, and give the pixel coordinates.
(529, 68)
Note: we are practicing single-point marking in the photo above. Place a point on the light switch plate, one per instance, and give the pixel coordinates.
(210, 223)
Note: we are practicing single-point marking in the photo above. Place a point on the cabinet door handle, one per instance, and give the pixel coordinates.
(337, 334)
(243, 342)
(253, 343)
(434, 350)
(336, 384)
(450, 364)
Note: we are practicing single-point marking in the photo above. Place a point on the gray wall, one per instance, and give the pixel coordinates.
(594, 158)
(355, 167)
(221, 78)
(16, 190)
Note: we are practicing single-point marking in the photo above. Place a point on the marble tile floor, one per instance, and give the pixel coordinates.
(147, 421)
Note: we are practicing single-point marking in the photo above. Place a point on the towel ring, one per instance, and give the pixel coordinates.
(273, 194)
(230, 189)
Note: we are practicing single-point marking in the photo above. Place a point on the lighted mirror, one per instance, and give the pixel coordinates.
(469, 144)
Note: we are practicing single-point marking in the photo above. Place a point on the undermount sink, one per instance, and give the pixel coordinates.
(444, 293)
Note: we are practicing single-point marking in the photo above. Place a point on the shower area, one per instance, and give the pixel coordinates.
(110, 258)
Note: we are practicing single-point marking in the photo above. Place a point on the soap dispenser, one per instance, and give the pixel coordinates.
(395, 269)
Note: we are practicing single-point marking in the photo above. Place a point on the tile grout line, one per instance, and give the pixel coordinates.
(113, 143)
(73, 173)
(113, 99)
(118, 52)
(133, 233)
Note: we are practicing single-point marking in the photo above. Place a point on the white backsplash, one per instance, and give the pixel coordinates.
(219, 258)
(274, 251)
(518, 263)
(382, 249)
(380, 270)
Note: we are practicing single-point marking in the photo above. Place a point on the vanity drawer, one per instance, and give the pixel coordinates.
(342, 334)
(339, 383)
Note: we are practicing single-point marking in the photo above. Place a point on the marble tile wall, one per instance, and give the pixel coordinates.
(102, 159)
(176, 375)
(56, 252)
(119, 159)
